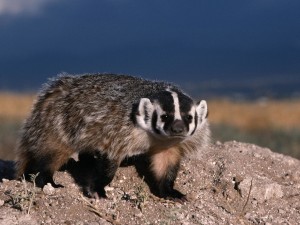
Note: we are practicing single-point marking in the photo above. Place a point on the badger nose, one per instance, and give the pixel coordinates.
(177, 127)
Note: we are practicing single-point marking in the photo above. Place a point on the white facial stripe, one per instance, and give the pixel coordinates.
(176, 105)
(192, 125)
(159, 124)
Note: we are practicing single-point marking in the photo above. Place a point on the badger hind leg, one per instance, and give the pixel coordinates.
(164, 166)
(29, 166)
(42, 163)
(101, 171)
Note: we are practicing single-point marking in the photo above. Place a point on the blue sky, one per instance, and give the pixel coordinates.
(191, 41)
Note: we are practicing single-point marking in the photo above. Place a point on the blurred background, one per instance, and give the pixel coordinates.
(242, 56)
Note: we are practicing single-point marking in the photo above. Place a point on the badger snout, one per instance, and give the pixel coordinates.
(178, 128)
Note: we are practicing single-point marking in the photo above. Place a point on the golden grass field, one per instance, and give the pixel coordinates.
(274, 124)
(244, 115)
(15, 107)
(283, 114)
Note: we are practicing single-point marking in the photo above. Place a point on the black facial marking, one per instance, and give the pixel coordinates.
(166, 102)
(134, 112)
(188, 118)
(196, 123)
(165, 99)
(185, 103)
(168, 122)
(164, 117)
(154, 122)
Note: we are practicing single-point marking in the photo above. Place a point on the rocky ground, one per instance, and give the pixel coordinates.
(230, 183)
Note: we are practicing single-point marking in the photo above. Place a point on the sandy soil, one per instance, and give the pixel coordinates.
(230, 183)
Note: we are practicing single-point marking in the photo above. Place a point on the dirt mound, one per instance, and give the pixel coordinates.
(231, 183)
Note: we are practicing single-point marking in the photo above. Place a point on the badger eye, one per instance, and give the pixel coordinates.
(189, 118)
(164, 117)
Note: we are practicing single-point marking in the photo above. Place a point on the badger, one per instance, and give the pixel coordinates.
(114, 117)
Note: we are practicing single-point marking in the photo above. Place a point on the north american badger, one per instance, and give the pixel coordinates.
(115, 116)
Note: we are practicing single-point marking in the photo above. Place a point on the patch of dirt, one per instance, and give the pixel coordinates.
(230, 183)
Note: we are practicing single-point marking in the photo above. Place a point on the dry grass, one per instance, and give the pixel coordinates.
(244, 115)
(15, 106)
(24, 199)
(273, 124)
(253, 116)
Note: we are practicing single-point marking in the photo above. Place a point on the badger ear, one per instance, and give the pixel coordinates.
(144, 113)
(202, 110)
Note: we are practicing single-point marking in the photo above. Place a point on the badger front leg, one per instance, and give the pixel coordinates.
(102, 172)
(165, 165)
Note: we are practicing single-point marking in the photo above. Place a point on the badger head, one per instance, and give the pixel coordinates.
(171, 114)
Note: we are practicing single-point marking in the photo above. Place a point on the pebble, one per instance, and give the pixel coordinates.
(280, 211)
(48, 189)
(139, 215)
(185, 223)
(1, 202)
(180, 216)
(107, 188)
(93, 223)
(48, 220)
(273, 191)
(218, 143)
(256, 155)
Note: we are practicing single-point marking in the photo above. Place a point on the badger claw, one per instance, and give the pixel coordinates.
(180, 200)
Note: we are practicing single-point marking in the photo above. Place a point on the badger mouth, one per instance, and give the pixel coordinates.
(178, 137)
(170, 137)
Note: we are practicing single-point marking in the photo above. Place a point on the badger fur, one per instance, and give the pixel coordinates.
(114, 116)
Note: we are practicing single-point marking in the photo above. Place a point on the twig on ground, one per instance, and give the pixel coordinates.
(95, 210)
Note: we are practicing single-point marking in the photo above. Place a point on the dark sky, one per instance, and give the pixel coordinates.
(182, 41)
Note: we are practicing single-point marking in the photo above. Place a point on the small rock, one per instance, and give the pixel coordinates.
(48, 220)
(281, 211)
(218, 143)
(139, 215)
(5, 180)
(1, 202)
(256, 155)
(262, 189)
(27, 219)
(107, 188)
(93, 223)
(273, 191)
(48, 189)
(185, 223)
(180, 216)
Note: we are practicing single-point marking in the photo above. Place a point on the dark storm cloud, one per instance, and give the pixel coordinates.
(175, 40)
